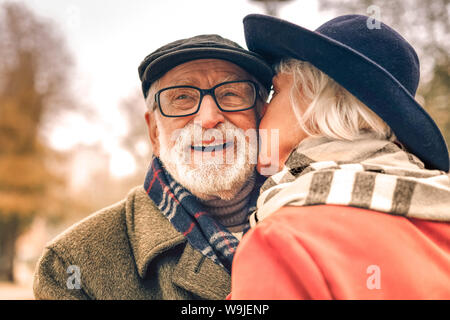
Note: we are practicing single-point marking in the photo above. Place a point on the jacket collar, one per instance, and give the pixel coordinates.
(151, 234)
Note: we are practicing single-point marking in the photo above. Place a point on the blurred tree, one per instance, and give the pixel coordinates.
(271, 7)
(89, 165)
(34, 71)
(426, 25)
(136, 141)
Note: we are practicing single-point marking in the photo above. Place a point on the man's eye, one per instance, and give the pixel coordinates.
(183, 97)
(229, 94)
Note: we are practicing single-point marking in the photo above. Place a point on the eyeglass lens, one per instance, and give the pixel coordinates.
(232, 96)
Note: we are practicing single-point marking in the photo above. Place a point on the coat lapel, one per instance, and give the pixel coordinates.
(201, 276)
(151, 234)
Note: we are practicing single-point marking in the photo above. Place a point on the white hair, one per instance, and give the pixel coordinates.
(150, 100)
(331, 110)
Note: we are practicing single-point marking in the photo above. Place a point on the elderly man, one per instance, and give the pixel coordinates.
(174, 237)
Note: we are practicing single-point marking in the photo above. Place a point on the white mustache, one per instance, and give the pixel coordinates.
(193, 136)
(211, 173)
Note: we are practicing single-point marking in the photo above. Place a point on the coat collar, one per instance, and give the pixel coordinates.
(151, 234)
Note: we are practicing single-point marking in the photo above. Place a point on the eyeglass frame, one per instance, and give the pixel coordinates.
(205, 92)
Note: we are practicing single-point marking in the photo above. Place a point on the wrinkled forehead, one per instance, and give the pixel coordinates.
(204, 71)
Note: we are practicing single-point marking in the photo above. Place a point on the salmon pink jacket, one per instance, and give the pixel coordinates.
(340, 252)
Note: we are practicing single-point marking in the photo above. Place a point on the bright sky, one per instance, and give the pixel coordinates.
(109, 38)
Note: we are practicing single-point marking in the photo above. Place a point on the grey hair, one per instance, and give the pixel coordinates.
(331, 110)
(150, 100)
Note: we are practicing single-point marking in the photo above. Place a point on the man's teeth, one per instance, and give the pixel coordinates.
(210, 147)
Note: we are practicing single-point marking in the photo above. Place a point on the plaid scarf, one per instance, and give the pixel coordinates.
(367, 173)
(189, 216)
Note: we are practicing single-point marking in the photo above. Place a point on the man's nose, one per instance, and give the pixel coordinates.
(209, 115)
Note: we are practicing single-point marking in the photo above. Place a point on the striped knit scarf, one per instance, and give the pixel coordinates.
(367, 173)
(189, 216)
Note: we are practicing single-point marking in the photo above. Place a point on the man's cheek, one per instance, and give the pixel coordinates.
(246, 123)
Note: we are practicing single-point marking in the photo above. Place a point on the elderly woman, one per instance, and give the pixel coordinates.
(360, 205)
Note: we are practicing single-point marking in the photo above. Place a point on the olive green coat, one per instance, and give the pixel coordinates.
(127, 251)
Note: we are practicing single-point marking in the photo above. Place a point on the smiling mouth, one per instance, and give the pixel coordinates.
(210, 148)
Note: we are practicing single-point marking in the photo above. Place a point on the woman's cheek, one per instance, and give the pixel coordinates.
(268, 156)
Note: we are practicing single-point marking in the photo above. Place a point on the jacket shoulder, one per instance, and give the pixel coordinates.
(331, 251)
(98, 229)
(97, 246)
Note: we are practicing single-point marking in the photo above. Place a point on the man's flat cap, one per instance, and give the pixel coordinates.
(209, 46)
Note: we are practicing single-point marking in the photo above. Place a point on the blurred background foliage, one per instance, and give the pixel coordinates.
(40, 184)
(34, 78)
(35, 180)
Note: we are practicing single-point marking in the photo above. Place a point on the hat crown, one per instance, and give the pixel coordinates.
(204, 46)
(379, 43)
(200, 41)
(203, 40)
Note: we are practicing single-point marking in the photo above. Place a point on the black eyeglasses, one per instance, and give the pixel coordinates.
(231, 96)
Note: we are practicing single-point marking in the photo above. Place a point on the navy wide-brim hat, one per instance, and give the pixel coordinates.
(370, 60)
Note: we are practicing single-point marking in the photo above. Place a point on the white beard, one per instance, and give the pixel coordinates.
(205, 175)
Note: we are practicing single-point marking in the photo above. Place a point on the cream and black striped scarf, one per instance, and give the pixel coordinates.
(367, 173)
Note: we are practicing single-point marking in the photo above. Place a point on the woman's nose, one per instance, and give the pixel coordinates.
(209, 115)
(264, 109)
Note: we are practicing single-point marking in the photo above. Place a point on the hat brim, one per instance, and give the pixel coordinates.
(248, 61)
(275, 39)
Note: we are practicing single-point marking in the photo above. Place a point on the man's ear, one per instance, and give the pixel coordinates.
(153, 131)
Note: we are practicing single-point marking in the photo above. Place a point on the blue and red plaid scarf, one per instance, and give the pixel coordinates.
(189, 216)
